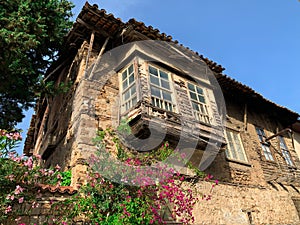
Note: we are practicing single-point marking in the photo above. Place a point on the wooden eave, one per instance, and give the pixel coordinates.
(244, 94)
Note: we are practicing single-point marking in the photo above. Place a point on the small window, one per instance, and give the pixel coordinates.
(235, 149)
(128, 87)
(264, 145)
(198, 101)
(285, 151)
(161, 93)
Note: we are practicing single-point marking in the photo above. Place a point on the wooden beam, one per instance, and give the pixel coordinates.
(89, 51)
(93, 28)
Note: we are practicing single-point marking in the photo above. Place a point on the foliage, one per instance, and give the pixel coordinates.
(19, 177)
(63, 178)
(8, 141)
(139, 196)
(31, 33)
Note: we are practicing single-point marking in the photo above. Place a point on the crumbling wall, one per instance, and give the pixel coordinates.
(243, 205)
(44, 210)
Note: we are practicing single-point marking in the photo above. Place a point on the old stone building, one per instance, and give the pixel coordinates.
(170, 93)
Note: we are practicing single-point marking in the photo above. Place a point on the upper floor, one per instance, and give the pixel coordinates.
(167, 93)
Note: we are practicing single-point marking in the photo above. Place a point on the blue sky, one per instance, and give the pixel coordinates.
(257, 41)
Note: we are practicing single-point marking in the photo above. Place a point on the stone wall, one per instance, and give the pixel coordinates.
(44, 211)
(244, 205)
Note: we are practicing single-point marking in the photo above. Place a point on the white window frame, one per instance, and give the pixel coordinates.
(235, 149)
(199, 103)
(131, 88)
(285, 151)
(264, 145)
(161, 97)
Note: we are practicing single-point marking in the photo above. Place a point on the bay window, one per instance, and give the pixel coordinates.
(128, 86)
(160, 88)
(198, 101)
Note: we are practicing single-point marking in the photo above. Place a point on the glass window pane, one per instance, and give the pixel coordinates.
(199, 90)
(195, 106)
(132, 90)
(201, 99)
(134, 101)
(125, 85)
(131, 78)
(153, 71)
(191, 87)
(260, 134)
(267, 152)
(155, 91)
(124, 75)
(259, 131)
(126, 95)
(130, 69)
(165, 84)
(154, 80)
(282, 142)
(164, 75)
(193, 96)
(167, 96)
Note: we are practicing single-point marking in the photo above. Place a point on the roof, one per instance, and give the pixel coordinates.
(106, 25)
(296, 126)
(238, 90)
(57, 189)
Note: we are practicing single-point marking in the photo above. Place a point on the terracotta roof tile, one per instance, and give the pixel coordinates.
(60, 189)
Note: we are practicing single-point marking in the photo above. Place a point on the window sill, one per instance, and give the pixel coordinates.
(292, 167)
(269, 161)
(239, 162)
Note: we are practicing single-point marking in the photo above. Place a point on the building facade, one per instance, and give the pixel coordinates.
(170, 93)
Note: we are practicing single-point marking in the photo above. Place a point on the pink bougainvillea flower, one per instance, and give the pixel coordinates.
(50, 172)
(18, 190)
(21, 200)
(57, 167)
(34, 205)
(10, 197)
(16, 136)
(208, 177)
(29, 163)
(8, 209)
